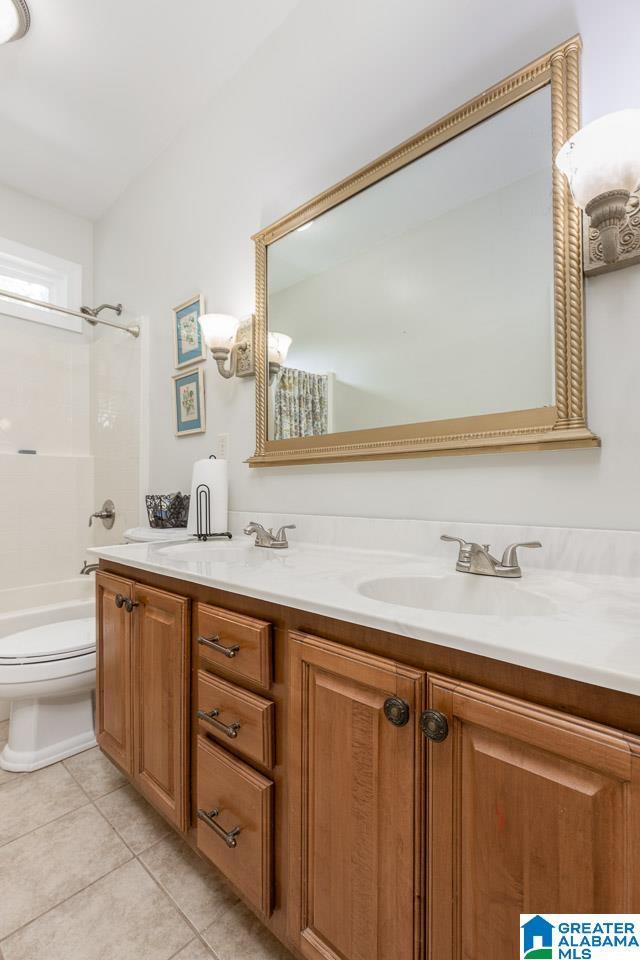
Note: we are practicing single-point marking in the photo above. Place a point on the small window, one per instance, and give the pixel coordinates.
(40, 276)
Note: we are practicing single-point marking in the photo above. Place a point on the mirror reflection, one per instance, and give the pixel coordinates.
(427, 296)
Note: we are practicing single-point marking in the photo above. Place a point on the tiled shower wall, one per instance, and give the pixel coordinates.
(45, 498)
(115, 427)
(45, 388)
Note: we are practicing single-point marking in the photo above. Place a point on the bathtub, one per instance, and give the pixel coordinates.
(24, 607)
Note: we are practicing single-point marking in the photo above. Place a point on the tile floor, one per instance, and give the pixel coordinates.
(88, 871)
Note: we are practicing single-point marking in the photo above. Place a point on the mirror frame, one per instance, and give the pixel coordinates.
(558, 426)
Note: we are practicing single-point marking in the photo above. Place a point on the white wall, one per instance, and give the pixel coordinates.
(44, 405)
(336, 85)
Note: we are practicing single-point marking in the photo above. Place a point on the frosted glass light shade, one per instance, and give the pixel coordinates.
(603, 156)
(14, 20)
(278, 347)
(219, 330)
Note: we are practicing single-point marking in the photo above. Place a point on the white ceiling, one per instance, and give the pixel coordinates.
(98, 88)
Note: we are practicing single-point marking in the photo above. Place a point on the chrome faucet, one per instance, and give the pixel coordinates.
(267, 538)
(475, 558)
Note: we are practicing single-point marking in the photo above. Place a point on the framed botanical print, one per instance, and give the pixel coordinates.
(188, 400)
(188, 342)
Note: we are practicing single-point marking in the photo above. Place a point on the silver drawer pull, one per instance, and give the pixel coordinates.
(214, 643)
(231, 730)
(229, 837)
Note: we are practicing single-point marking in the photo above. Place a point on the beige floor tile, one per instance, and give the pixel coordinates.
(43, 868)
(123, 916)
(197, 888)
(195, 950)
(95, 774)
(7, 775)
(137, 823)
(31, 800)
(238, 935)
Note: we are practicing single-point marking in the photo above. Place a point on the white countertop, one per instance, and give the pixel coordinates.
(587, 626)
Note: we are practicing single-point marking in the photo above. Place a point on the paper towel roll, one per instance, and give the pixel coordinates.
(213, 474)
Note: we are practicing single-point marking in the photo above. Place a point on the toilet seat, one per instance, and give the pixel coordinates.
(49, 642)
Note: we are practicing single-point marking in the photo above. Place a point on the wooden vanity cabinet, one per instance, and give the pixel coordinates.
(114, 728)
(161, 679)
(143, 689)
(530, 811)
(361, 838)
(355, 814)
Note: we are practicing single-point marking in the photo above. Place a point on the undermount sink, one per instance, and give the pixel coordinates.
(216, 552)
(460, 593)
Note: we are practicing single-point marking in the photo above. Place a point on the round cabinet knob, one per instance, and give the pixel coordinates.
(434, 725)
(396, 711)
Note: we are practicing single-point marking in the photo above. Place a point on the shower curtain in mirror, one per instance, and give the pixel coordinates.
(300, 407)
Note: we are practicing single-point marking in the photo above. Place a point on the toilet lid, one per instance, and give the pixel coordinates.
(150, 534)
(51, 641)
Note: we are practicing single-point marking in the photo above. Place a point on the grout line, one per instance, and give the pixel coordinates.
(86, 793)
(212, 954)
(198, 933)
(113, 829)
(155, 843)
(133, 853)
(169, 897)
(47, 823)
(66, 900)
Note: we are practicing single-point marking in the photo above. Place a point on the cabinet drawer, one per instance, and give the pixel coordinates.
(239, 719)
(235, 827)
(238, 645)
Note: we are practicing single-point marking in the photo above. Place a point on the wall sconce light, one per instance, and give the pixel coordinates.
(278, 347)
(602, 164)
(219, 331)
(231, 339)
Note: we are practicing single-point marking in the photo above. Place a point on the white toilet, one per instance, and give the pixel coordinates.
(154, 534)
(49, 675)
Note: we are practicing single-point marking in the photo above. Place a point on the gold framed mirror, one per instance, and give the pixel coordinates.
(436, 307)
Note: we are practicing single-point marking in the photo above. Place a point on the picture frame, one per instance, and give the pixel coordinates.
(188, 343)
(189, 402)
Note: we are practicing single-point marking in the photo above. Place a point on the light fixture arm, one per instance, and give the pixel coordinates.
(220, 357)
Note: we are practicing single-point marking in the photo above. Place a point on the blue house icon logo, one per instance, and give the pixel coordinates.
(537, 939)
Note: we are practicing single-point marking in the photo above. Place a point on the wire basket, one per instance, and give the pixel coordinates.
(167, 510)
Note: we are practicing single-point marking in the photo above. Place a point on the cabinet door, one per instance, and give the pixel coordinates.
(355, 804)
(113, 663)
(530, 811)
(161, 700)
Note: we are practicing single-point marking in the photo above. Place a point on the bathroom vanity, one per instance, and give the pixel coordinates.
(374, 793)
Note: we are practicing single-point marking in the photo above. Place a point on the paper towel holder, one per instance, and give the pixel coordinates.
(203, 513)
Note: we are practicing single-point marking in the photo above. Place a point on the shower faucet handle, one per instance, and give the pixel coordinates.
(107, 514)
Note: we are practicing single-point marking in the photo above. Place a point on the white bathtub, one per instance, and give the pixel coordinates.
(26, 607)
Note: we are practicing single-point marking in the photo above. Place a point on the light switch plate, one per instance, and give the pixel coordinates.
(222, 446)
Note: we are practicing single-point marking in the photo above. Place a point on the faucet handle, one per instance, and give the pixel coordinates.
(463, 562)
(280, 535)
(463, 543)
(510, 555)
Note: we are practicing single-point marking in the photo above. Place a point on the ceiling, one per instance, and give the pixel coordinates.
(98, 88)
